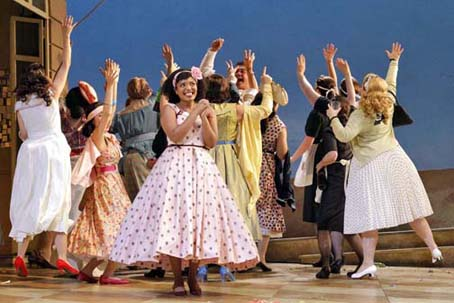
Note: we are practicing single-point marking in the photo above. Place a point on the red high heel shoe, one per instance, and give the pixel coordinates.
(21, 270)
(112, 280)
(62, 265)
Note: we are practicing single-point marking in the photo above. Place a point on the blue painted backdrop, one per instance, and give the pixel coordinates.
(133, 31)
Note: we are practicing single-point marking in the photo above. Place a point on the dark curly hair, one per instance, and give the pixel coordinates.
(76, 103)
(169, 91)
(89, 127)
(34, 81)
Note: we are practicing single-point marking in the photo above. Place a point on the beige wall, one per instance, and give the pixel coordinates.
(438, 183)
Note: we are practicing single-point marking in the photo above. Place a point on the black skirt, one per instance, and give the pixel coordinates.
(332, 206)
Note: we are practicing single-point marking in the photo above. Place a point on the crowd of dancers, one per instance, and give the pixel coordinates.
(198, 173)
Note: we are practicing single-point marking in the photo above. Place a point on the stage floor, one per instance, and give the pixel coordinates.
(287, 283)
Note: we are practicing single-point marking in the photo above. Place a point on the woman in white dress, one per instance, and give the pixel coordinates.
(384, 189)
(41, 194)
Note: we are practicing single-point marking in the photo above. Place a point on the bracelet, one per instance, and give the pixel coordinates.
(392, 59)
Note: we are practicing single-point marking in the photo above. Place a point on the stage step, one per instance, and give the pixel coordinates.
(290, 249)
(417, 257)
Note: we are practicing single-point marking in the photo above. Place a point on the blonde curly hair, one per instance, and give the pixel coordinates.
(375, 100)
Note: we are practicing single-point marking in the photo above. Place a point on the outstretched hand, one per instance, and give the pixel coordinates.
(111, 71)
(248, 59)
(231, 70)
(301, 64)
(395, 52)
(343, 66)
(167, 54)
(266, 79)
(216, 45)
(329, 52)
(68, 26)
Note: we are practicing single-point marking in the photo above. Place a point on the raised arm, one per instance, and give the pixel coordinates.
(231, 70)
(393, 56)
(169, 59)
(305, 86)
(328, 53)
(111, 72)
(262, 111)
(62, 74)
(207, 64)
(248, 60)
(344, 68)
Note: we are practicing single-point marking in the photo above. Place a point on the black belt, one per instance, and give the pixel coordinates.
(188, 145)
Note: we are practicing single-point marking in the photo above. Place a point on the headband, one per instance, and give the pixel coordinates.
(196, 73)
(94, 113)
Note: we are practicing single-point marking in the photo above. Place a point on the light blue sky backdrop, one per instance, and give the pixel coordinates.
(133, 31)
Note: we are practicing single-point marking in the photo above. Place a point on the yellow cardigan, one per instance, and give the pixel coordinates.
(249, 143)
(368, 140)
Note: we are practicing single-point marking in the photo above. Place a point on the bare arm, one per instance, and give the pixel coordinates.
(62, 74)
(23, 135)
(209, 128)
(305, 86)
(328, 53)
(167, 54)
(328, 159)
(111, 72)
(304, 146)
(176, 132)
(345, 70)
(282, 147)
(249, 58)
(163, 101)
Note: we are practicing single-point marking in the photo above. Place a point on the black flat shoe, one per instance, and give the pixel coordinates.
(155, 273)
(264, 267)
(323, 273)
(292, 204)
(35, 258)
(281, 202)
(336, 266)
(319, 263)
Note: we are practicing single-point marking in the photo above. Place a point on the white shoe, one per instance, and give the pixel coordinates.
(436, 256)
(370, 271)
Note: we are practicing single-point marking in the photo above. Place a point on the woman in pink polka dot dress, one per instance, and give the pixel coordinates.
(184, 214)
